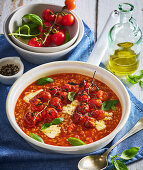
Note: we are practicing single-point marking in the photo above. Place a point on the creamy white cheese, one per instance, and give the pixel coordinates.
(52, 131)
(100, 125)
(31, 95)
(70, 108)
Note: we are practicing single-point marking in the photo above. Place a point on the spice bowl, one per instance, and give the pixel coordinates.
(11, 68)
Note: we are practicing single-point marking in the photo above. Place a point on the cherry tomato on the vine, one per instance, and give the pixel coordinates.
(59, 19)
(45, 28)
(70, 4)
(68, 20)
(35, 42)
(58, 38)
(48, 15)
(48, 39)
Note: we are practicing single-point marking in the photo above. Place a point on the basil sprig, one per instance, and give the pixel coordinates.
(141, 83)
(75, 141)
(36, 137)
(109, 104)
(55, 121)
(71, 96)
(44, 80)
(126, 155)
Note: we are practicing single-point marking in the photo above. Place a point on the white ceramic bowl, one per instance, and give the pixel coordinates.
(8, 80)
(41, 58)
(16, 21)
(68, 67)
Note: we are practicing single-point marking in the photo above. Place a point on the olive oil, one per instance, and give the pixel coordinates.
(124, 60)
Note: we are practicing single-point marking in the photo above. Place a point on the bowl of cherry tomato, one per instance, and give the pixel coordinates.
(44, 28)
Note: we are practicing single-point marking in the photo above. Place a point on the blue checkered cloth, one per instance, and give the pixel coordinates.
(17, 154)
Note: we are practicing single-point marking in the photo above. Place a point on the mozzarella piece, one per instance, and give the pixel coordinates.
(70, 108)
(52, 131)
(100, 125)
(108, 116)
(31, 95)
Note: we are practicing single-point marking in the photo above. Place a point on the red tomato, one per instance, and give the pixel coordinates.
(36, 105)
(64, 96)
(49, 114)
(98, 114)
(68, 20)
(56, 103)
(45, 28)
(29, 120)
(48, 15)
(89, 122)
(60, 28)
(54, 90)
(82, 108)
(48, 39)
(102, 95)
(66, 87)
(89, 88)
(78, 118)
(35, 42)
(59, 19)
(70, 4)
(58, 38)
(82, 96)
(93, 103)
(44, 96)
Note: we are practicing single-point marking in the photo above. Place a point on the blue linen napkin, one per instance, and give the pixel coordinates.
(17, 154)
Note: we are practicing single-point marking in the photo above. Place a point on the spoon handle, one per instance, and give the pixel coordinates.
(135, 129)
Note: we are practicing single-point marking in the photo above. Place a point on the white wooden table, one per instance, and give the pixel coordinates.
(95, 14)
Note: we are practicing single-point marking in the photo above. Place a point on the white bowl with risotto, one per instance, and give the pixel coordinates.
(115, 90)
(37, 57)
(16, 21)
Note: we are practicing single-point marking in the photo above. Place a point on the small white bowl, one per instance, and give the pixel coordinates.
(16, 21)
(68, 67)
(41, 58)
(8, 80)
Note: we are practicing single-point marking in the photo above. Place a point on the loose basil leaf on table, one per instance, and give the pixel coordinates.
(44, 80)
(130, 153)
(36, 137)
(141, 83)
(120, 165)
(75, 141)
(67, 37)
(131, 79)
(109, 104)
(45, 126)
(113, 158)
(57, 121)
(71, 96)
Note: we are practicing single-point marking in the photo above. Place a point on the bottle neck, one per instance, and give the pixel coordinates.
(125, 17)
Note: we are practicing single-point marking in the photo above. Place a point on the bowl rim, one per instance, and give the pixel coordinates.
(79, 38)
(71, 148)
(68, 44)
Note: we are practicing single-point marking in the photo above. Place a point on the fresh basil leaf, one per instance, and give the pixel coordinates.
(71, 96)
(120, 165)
(44, 80)
(36, 137)
(34, 18)
(57, 121)
(75, 141)
(140, 75)
(25, 29)
(141, 83)
(130, 153)
(46, 125)
(109, 104)
(113, 158)
(131, 79)
(67, 37)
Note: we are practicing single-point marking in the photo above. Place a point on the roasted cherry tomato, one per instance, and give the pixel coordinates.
(48, 15)
(29, 120)
(66, 87)
(89, 122)
(68, 20)
(98, 114)
(56, 103)
(35, 42)
(93, 103)
(54, 90)
(59, 19)
(58, 38)
(64, 96)
(49, 114)
(70, 4)
(78, 118)
(44, 96)
(36, 105)
(89, 88)
(82, 108)
(102, 95)
(82, 96)
(45, 28)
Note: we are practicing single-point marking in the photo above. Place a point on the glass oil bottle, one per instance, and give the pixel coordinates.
(124, 43)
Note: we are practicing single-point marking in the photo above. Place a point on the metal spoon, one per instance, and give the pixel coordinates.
(98, 162)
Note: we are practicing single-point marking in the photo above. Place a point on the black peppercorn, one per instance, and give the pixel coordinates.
(9, 70)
